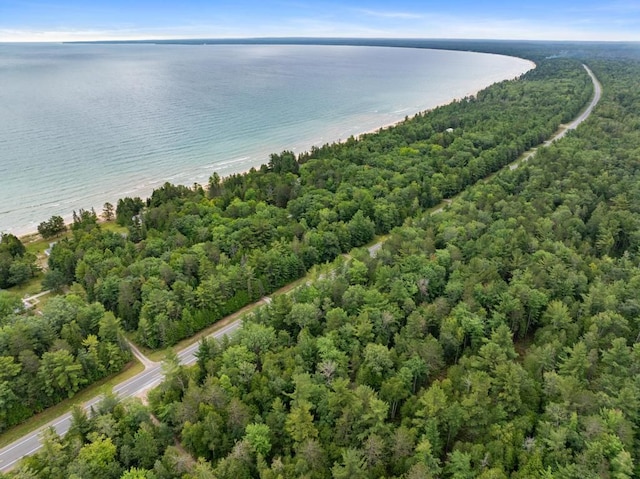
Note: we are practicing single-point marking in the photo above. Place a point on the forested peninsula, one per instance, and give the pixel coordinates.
(494, 339)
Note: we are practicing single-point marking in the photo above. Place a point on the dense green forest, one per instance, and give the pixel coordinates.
(193, 256)
(495, 339)
(16, 265)
(49, 354)
(47, 357)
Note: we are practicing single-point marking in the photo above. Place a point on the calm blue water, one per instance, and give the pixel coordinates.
(85, 124)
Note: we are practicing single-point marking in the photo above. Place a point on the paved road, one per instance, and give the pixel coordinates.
(149, 378)
(597, 94)
(564, 129)
(152, 375)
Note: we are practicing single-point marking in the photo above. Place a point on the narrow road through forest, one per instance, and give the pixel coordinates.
(564, 129)
(153, 374)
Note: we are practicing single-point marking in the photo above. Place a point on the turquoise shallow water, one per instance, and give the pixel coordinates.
(85, 124)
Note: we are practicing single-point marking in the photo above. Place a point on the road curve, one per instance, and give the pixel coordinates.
(597, 94)
(152, 375)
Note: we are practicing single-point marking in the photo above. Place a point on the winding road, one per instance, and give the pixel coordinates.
(153, 374)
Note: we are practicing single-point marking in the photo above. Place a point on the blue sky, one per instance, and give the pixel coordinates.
(55, 20)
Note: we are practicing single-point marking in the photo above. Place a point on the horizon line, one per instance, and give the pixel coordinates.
(314, 38)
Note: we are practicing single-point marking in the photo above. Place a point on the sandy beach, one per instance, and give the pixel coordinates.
(142, 171)
(33, 235)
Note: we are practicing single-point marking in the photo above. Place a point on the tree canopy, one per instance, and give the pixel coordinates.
(497, 338)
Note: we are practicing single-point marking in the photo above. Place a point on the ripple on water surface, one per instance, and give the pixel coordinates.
(85, 124)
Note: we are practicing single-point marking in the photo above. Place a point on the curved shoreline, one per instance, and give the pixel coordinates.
(153, 373)
(151, 183)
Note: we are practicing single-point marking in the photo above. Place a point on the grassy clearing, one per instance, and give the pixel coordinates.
(43, 300)
(113, 227)
(37, 246)
(34, 243)
(48, 415)
(31, 287)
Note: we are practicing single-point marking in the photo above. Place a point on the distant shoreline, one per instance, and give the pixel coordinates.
(34, 235)
(29, 232)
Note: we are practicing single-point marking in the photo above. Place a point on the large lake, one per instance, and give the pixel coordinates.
(85, 124)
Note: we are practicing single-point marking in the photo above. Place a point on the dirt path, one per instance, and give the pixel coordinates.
(30, 301)
(146, 362)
